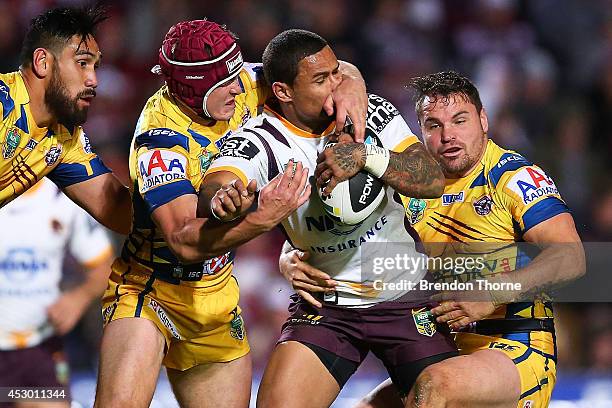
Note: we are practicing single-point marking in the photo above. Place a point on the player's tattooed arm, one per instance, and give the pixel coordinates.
(414, 173)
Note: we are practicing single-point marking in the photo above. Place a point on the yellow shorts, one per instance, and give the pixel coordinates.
(537, 369)
(200, 325)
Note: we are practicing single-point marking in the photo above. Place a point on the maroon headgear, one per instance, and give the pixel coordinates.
(195, 58)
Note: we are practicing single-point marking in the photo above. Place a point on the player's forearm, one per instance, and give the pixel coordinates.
(351, 73)
(414, 173)
(557, 265)
(201, 238)
(97, 280)
(118, 214)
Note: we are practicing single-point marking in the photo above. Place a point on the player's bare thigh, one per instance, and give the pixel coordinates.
(295, 377)
(226, 385)
(130, 359)
(485, 378)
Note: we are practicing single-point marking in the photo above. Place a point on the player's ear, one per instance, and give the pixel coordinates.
(282, 91)
(42, 60)
(484, 120)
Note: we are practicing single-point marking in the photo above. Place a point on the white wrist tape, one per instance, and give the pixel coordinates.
(377, 160)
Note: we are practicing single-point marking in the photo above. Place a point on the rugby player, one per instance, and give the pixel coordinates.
(321, 349)
(44, 225)
(492, 195)
(43, 106)
(172, 299)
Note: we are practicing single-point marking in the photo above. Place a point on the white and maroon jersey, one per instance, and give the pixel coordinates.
(37, 230)
(263, 147)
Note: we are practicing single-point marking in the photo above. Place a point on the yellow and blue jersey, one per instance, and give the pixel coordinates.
(170, 153)
(490, 208)
(30, 153)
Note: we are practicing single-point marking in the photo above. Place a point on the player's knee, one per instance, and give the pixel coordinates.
(433, 387)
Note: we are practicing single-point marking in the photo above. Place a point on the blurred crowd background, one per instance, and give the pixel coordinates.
(543, 67)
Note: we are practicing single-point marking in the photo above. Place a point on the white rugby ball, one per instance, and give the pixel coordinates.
(355, 199)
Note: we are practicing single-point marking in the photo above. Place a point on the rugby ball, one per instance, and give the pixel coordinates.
(355, 199)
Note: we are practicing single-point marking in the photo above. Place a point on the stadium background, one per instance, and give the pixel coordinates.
(544, 70)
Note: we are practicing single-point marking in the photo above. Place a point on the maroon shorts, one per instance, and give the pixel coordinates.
(398, 333)
(44, 365)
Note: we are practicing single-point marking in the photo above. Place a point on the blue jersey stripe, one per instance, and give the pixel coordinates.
(66, 174)
(8, 104)
(200, 139)
(162, 138)
(507, 162)
(543, 210)
(164, 194)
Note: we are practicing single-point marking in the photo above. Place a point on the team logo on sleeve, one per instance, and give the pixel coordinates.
(53, 154)
(424, 322)
(239, 147)
(157, 167)
(11, 143)
(415, 210)
(483, 205)
(531, 183)
(205, 158)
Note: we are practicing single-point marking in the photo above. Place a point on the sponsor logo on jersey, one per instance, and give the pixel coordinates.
(237, 326)
(366, 236)
(21, 264)
(85, 143)
(222, 140)
(380, 112)
(325, 223)
(164, 319)
(239, 147)
(528, 404)
(216, 264)
(31, 145)
(531, 183)
(415, 210)
(158, 167)
(53, 154)
(483, 205)
(448, 199)
(11, 143)
(424, 322)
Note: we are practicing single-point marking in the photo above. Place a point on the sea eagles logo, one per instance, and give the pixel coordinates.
(11, 143)
(415, 210)
(237, 326)
(424, 322)
(53, 154)
(483, 205)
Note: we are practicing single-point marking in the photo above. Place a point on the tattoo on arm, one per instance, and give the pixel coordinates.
(414, 173)
(350, 157)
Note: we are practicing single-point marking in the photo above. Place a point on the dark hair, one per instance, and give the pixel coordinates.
(286, 50)
(54, 28)
(444, 85)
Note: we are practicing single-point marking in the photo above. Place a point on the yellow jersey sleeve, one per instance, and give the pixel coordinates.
(526, 191)
(162, 166)
(78, 163)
